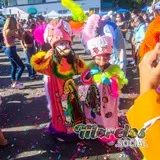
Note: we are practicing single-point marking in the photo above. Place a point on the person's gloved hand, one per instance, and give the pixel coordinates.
(94, 71)
(105, 80)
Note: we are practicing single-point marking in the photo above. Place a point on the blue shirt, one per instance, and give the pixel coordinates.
(139, 33)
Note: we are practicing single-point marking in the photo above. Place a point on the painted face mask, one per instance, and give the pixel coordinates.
(63, 47)
(57, 30)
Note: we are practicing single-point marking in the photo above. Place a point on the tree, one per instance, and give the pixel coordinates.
(134, 4)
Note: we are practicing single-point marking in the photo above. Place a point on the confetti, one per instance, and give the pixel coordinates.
(59, 156)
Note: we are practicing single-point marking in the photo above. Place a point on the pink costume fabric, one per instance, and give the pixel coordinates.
(100, 106)
(100, 99)
(102, 85)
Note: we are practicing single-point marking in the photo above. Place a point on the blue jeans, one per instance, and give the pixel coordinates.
(29, 52)
(15, 62)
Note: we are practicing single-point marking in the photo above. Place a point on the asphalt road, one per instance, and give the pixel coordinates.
(24, 119)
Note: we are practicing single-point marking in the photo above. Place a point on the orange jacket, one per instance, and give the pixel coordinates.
(151, 37)
(147, 109)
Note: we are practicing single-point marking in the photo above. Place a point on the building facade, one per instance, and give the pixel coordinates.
(107, 5)
(23, 7)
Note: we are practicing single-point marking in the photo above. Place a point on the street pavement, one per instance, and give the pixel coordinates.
(24, 119)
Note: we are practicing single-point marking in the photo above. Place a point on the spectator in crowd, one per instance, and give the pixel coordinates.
(134, 13)
(139, 34)
(11, 32)
(146, 19)
(40, 20)
(120, 21)
(28, 44)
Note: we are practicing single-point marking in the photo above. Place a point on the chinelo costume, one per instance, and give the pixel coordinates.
(61, 90)
(119, 50)
(102, 84)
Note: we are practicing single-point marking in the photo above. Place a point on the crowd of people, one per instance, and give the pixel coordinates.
(103, 37)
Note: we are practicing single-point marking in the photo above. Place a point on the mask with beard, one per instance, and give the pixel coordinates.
(70, 58)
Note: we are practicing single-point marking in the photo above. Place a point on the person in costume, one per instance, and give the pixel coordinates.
(152, 33)
(119, 50)
(102, 81)
(145, 113)
(59, 64)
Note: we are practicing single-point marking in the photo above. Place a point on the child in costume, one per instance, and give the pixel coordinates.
(119, 51)
(103, 81)
(59, 64)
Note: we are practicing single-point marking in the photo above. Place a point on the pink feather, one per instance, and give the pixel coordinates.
(90, 28)
(114, 87)
(38, 34)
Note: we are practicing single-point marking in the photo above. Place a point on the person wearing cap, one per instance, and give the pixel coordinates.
(103, 81)
(152, 33)
(59, 64)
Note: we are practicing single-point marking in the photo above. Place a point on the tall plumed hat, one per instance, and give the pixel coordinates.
(97, 37)
(57, 30)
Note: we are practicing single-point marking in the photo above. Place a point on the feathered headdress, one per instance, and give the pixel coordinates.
(38, 34)
(57, 30)
(90, 28)
(96, 36)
